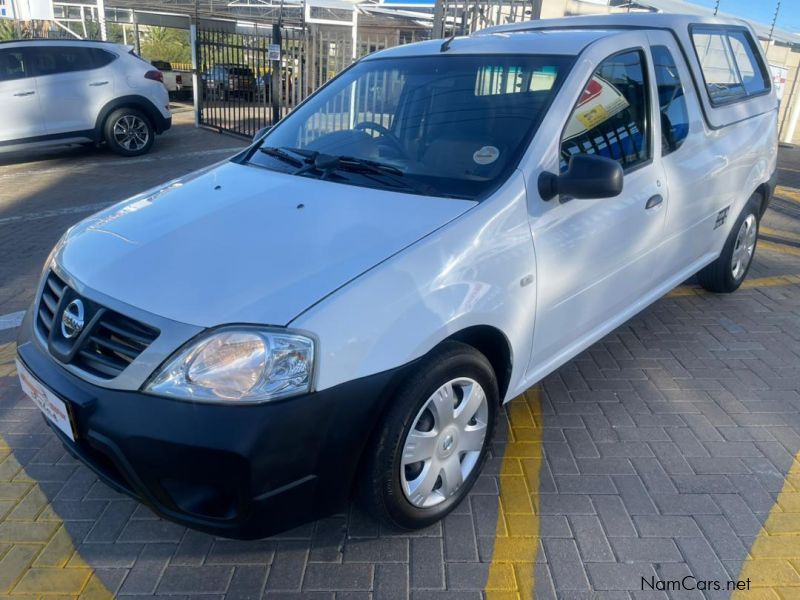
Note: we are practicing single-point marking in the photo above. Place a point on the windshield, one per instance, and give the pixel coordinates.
(444, 125)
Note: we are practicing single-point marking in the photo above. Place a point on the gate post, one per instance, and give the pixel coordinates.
(275, 78)
(136, 45)
(438, 20)
(195, 66)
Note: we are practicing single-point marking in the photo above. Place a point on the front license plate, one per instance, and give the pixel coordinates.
(53, 407)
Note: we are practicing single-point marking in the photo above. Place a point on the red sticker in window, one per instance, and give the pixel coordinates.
(592, 90)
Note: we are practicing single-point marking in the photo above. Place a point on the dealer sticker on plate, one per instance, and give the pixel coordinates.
(52, 406)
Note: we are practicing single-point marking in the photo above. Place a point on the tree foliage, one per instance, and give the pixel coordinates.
(7, 30)
(165, 43)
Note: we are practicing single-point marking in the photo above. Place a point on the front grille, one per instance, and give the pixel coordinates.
(114, 343)
(111, 342)
(53, 290)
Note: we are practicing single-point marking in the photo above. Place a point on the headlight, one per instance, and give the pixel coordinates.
(238, 364)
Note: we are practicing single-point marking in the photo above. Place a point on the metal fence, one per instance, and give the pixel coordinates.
(312, 54)
(236, 76)
(241, 89)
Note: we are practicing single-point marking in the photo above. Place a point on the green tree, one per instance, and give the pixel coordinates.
(7, 30)
(165, 43)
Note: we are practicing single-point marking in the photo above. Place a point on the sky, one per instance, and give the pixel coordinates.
(760, 10)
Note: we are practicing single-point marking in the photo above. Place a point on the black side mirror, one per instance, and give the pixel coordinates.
(587, 176)
(260, 133)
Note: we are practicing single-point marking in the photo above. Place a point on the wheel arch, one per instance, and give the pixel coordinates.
(764, 191)
(494, 345)
(132, 101)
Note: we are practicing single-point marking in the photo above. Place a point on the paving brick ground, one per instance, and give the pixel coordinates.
(666, 450)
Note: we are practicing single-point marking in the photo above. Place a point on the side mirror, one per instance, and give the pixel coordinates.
(587, 176)
(261, 132)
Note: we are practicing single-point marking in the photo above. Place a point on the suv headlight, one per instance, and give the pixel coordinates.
(237, 364)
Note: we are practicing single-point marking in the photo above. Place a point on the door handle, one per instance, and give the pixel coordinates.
(98, 83)
(31, 93)
(654, 201)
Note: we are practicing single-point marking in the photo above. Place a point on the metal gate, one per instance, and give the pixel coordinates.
(241, 89)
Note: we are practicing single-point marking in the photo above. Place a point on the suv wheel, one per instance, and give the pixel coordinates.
(433, 441)
(128, 132)
(727, 273)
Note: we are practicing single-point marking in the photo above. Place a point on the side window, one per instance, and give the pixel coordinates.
(53, 60)
(12, 65)
(101, 58)
(753, 77)
(671, 100)
(611, 116)
(731, 68)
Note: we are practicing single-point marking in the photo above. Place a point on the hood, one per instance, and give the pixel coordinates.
(241, 244)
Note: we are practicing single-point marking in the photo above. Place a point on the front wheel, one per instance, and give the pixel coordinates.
(727, 273)
(128, 132)
(433, 441)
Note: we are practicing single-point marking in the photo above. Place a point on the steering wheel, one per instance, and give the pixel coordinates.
(385, 133)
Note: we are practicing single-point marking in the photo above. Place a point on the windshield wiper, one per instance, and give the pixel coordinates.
(373, 166)
(283, 155)
(327, 164)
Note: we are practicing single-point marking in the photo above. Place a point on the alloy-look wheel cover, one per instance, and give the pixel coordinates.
(444, 444)
(131, 132)
(744, 247)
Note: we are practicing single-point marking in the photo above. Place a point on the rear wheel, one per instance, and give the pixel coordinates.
(128, 132)
(727, 273)
(433, 441)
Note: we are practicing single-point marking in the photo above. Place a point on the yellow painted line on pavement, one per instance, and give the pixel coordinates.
(37, 557)
(779, 248)
(779, 233)
(788, 193)
(749, 284)
(773, 564)
(516, 542)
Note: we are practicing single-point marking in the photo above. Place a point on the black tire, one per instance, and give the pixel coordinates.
(130, 118)
(721, 277)
(380, 486)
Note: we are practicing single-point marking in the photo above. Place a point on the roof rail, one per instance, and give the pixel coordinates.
(609, 21)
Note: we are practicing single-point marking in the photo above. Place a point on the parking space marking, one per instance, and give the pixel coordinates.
(511, 573)
(773, 565)
(84, 166)
(779, 248)
(11, 320)
(779, 233)
(7, 354)
(37, 556)
(787, 193)
(57, 212)
(749, 284)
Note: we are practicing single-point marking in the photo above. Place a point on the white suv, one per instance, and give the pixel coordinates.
(346, 304)
(74, 91)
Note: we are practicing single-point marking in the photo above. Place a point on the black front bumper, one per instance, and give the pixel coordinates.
(235, 471)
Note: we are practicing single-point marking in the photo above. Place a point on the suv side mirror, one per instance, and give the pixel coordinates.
(260, 133)
(587, 176)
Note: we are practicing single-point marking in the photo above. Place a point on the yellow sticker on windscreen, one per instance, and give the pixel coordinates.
(593, 117)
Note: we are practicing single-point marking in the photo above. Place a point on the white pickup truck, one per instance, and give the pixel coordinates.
(345, 305)
(176, 82)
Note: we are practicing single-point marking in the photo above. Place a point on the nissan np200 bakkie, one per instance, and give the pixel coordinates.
(342, 308)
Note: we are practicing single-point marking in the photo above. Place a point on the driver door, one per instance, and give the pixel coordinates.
(598, 258)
